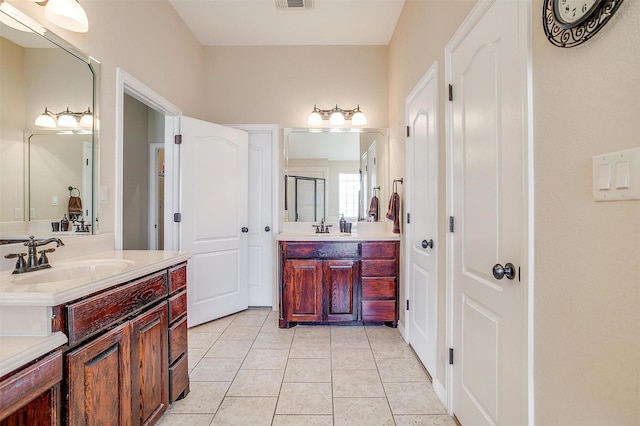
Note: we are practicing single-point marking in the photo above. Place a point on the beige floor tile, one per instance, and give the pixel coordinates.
(266, 359)
(353, 331)
(240, 411)
(204, 397)
(417, 420)
(215, 370)
(256, 383)
(194, 356)
(305, 398)
(229, 349)
(310, 348)
(413, 398)
(308, 371)
(312, 331)
(352, 359)
(401, 370)
(240, 333)
(216, 326)
(350, 342)
(357, 384)
(391, 350)
(171, 419)
(296, 420)
(250, 318)
(383, 333)
(273, 341)
(362, 412)
(197, 340)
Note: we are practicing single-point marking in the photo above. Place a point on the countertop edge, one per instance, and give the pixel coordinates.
(369, 236)
(26, 349)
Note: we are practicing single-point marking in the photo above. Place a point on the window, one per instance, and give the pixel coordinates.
(348, 195)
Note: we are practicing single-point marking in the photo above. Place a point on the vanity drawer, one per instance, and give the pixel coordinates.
(177, 306)
(378, 310)
(178, 378)
(177, 340)
(92, 314)
(378, 288)
(326, 250)
(379, 250)
(379, 268)
(177, 278)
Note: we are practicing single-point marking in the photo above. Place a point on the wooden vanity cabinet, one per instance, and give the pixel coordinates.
(31, 395)
(178, 365)
(334, 281)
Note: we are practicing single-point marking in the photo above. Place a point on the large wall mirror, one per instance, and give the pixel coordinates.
(334, 173)
(39, 164)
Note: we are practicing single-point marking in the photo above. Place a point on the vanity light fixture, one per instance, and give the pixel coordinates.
(67, 119)
(67, 14)
(336, 116)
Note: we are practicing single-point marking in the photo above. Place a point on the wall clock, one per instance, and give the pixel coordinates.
(568, 23)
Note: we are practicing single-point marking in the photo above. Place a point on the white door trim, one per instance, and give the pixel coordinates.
(153, 197)
(126, 83)
(525, 72)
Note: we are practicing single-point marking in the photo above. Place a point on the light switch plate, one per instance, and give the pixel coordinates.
(616, 176)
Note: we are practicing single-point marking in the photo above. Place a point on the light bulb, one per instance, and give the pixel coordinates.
(46, 119)
(86, 122)
(67, 14)
(358, 118)
(67, 120)
(336, 118)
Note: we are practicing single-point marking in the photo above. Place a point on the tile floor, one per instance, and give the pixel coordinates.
(244, 370)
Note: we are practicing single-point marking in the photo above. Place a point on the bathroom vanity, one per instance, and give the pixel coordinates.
(338, 279)
(125, 357)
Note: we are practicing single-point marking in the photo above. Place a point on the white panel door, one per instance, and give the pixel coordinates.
(422, 230)
(489, 204)
(214, 194)
(261, 239)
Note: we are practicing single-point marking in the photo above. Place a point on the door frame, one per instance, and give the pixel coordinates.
(128, 84)
(431, 75)
(154, 147)
(525, 70)
(276, 149)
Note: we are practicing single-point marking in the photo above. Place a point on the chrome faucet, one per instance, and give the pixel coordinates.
(33, 263)
(322, 228)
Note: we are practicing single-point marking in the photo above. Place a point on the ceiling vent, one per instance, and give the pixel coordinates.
(294, 4)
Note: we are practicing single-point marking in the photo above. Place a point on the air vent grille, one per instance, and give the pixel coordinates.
(294, 4)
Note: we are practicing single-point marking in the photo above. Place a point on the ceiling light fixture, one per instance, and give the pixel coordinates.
(67, 119)
(336, 116)
(67, 14)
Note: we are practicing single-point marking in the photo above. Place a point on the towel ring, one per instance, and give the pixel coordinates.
(71, 189)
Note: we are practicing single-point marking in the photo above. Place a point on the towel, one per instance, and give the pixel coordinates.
(373, 208)
(393, 213)
(75, 207)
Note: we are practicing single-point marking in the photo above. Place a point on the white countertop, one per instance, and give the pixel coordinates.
(138, 263)
(20, 350)
(337, 236)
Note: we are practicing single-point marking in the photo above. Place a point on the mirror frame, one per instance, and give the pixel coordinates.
(94, 66)
(385, 191)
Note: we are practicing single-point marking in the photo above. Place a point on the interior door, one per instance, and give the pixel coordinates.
(261, 242)
(214, 197)
(422, 229)
(489, 204)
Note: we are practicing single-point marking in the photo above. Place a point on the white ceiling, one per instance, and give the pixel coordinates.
(260, 23)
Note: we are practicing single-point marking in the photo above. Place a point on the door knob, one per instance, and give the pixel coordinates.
(267, 229)
(508, 270)
(245, 229)
(426, 244)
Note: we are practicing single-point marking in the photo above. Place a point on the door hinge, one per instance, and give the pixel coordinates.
(451, 92)
(374, 161)
(519, 274)
(451, 356)
(451, 224)
(177, 139)
(177, 217)
(407, 304)
(408, 131)
(408, 218)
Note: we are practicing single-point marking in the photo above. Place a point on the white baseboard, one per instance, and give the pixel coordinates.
(402, 330)
(440, 391)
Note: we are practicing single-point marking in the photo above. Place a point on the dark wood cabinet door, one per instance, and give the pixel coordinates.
(150, 365)
(99, 380)
(340, 278)
(302, 292)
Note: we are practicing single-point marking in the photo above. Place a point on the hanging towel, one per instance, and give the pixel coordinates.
(75, 206)
(374, 211)
(393, 213)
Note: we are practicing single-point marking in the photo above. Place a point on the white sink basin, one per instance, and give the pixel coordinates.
(89, 270)
(335, 234)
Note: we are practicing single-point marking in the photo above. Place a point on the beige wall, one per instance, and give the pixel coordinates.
(423, 30)
(587, 256)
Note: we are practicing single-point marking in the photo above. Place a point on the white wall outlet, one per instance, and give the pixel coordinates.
(32, 213)
(17, 213)
(54, 200)
(616, 176)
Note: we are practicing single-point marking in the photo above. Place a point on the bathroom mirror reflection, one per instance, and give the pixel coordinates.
(37, 164)
(329, 173)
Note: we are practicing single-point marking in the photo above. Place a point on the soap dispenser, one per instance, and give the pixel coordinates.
(342, 223)
(64, 223)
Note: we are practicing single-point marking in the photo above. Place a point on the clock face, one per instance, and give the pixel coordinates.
(572, 12)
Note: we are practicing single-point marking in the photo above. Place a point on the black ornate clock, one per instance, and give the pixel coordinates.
(568, 23)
